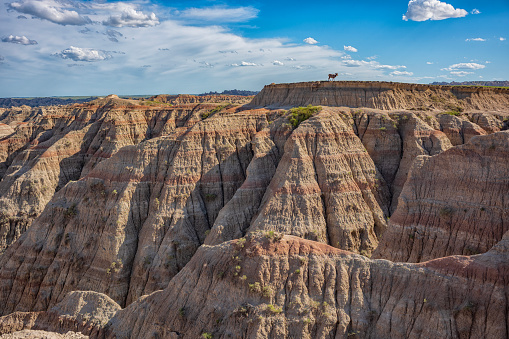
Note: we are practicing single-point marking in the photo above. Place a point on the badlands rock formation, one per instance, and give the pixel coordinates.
(157, 197)
(383, 95)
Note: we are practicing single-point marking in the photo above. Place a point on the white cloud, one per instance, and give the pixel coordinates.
(22, 40)
(475, 11)
(475, 39)
(429, 63)
(372, 57)
(422, 10)
(130, 17)
(401, 73)
(464, 65)
(244, 63)
(502, 39)
(370, 64)
(220, 14)
(310, 41)
(83, 54)
(277, 63)
(350, 49)
(461, 73)
(50, 10)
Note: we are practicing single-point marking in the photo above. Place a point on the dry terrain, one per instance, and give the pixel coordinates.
(383, 213)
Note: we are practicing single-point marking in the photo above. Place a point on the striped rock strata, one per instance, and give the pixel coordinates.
(383, 95)
(268, 286)
(454, 203)
(55, 145)
(135, 220)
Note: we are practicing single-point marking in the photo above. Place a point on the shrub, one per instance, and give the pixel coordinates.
(210, 196)
(206, 335)
(255, 287)
(71, 211)
(455, 113)
(300, 114)
(273, 309)
(266, 291)
(445, 212)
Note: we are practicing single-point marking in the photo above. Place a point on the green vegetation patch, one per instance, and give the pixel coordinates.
(452, 113)
(300, 114)
(215, 110)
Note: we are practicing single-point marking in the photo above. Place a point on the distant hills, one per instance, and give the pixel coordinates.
(232, 92)
(35, 102)
(51, 101)
(504, 83)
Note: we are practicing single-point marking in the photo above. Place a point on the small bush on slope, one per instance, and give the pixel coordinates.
(300, 114)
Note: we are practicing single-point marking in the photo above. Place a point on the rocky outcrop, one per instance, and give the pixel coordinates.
(56, 145)
(454, 203)
(148, 197)
(295, 288)
(273, 286)
(126, 231)
(83, 312)
(382, 95)
(326, 188)
(199, 99)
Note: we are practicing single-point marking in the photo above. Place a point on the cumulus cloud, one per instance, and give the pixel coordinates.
(461, 73)
(222, 14)
(475, 11)
(49, 10)
(350, 49)
(422, 10)
(475, 39)
(277, 63)
(244, 63)
(502, 39)
(464, 65)
(401, 73)
(429, 63)
(130, 17)
(22, 40)
(83, 54)
(22, 17)
(310, 41)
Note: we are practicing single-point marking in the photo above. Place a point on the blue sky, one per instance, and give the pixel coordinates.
(74, 47)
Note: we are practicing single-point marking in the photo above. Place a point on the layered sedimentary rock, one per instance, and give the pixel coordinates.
(326, 188)
(454, 203)
(162, 179)
(133, 221)
(78, 314)
(294, 288)
(199, 99)
(55, 145)
(383, 95)
(270, 286)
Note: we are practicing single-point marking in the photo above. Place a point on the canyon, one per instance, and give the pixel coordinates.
(382, 215)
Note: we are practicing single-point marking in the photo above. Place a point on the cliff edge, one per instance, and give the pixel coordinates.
(383, 95)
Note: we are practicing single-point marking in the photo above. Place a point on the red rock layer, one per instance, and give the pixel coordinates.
(456, 202)
(295, 288)
(135, 220)
(56, 145)
(326, 188)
